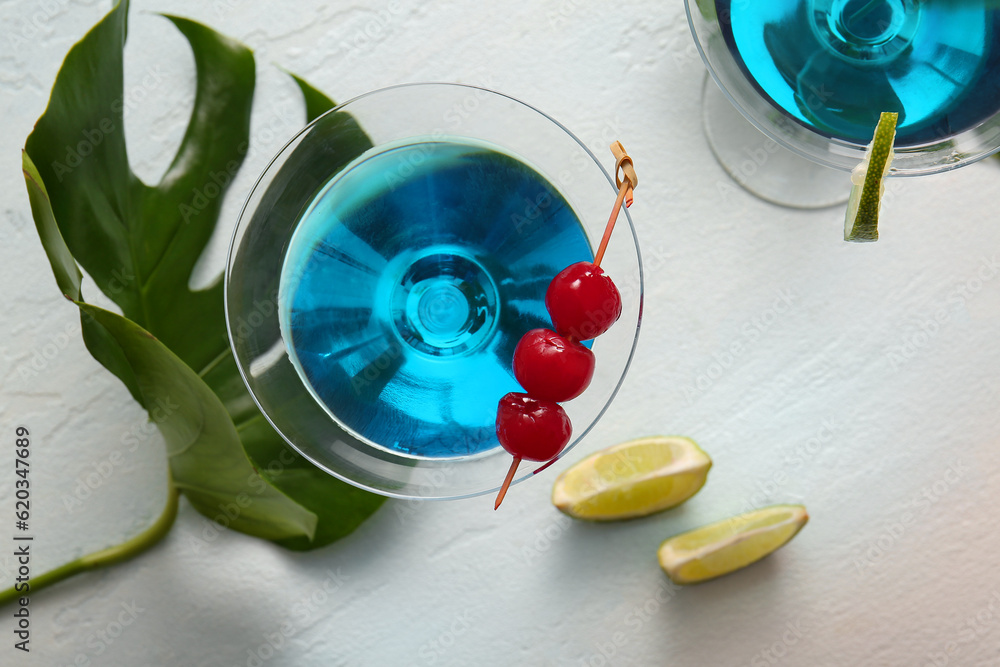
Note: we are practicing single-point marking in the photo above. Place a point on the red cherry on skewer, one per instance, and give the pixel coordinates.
(551, 367)
(530, 428)
(583, 301)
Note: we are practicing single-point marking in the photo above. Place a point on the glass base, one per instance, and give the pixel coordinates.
(763, 167)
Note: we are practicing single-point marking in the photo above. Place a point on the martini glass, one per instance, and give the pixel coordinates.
(801, 84)
(388, 261)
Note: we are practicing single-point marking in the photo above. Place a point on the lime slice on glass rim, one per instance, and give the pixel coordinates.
(633, 479)
(728, 545)
(868, 179)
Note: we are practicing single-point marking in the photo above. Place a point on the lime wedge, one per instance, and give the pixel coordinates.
(868, 179)
(728, 545)
(633, 479)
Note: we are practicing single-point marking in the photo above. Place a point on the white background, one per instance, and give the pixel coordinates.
(886, 427)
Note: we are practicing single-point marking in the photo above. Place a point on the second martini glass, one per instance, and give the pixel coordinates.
(814, 75)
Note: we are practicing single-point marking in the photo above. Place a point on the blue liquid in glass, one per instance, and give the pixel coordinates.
(835, 65)
(408, 282)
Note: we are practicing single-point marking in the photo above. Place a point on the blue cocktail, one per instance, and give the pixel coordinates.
(409, 281)
(833, 65)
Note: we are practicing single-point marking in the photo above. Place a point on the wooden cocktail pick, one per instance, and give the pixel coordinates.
(626, 186)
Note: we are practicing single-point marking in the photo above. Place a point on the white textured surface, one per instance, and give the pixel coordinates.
(823, 405)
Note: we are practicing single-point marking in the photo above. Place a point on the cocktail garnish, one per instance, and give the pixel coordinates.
(632, 479)
(868, 178)
(728, 545)
(583, 303)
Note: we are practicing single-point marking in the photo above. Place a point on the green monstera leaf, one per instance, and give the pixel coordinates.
(140, 244)
(317, 103)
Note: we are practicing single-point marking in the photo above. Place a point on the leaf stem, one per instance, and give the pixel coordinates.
(247, 422)
(109, 556)
(219, 358)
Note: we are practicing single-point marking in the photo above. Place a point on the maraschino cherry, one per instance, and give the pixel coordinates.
(553, 366)
(530, 428)
(583, 301)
